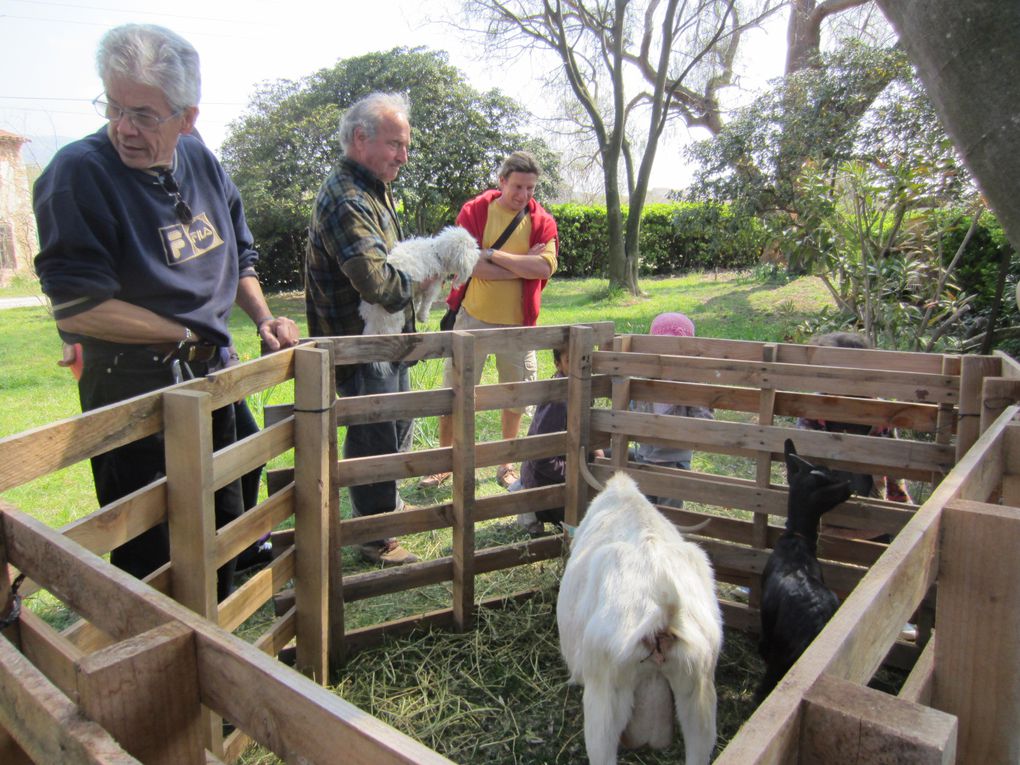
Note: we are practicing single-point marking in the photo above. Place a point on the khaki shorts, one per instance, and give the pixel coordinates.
(519, 366)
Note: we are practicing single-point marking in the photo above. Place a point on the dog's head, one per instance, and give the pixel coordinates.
(458, 253)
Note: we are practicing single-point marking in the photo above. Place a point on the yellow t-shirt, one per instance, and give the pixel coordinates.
(498, 301)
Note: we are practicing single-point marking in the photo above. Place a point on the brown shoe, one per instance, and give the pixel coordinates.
(434, 480)
(506, 475)
(388, 553)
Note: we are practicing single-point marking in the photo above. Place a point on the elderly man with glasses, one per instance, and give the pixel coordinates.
(144, 249)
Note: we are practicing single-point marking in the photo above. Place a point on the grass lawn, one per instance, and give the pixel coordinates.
(497, 694)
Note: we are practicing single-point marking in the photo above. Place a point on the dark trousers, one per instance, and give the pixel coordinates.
(376, 438)
(109, 377)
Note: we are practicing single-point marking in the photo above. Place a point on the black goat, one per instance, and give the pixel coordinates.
(795, 603)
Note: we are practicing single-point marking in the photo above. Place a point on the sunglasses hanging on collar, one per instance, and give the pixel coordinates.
(181, 208)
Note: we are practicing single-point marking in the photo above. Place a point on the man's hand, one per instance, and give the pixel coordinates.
(277, 333)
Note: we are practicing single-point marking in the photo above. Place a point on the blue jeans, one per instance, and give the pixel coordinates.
(378, 437)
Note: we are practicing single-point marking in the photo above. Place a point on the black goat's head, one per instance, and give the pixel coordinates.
(814, 490)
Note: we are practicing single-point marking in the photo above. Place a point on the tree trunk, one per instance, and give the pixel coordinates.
(967, 55)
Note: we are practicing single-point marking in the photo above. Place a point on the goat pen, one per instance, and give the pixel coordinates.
(949, 565)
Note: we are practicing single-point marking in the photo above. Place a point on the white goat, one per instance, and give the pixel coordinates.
(638, 617)
(451, 255)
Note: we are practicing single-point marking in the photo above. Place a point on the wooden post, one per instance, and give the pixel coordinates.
(973, 371)
(578, 421)
(190, 506)
(463, 479)
(621, 402)
(313, 400)
(191, 516)
(145, 692)
(977, 656)
(846, 724)
(763, 475)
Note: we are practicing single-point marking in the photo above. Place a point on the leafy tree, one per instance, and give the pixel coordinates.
(630, 66)
(280, 152)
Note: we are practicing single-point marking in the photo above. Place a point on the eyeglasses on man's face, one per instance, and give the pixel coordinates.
(181, 208)
(141, 120)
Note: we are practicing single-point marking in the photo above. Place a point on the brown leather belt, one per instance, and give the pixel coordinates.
(200, 352)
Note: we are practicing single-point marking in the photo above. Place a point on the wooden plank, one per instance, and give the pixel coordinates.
(578, 430)
(256, 591)
(875, 383)
(233, 461)
(190, 506)
(76, 576)
(792, 353)
(918, 685)
(313, 398)
(48, 650)
(622, 395)
(145, 692)
(121, 520)
(893, 414)
(359, 349)
(463, 479)
(45, 723)
(253, 524)
(26, 456)
(895, 456)
(256, 692)
(847, 724)
(977, 663)
(763, 468)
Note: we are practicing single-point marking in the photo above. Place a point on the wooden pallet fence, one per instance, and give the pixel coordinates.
(959, 442)
(465, 510)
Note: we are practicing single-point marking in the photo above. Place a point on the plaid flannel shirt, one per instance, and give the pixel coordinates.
(354, 225)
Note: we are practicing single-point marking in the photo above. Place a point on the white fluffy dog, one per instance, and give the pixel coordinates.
(451, 255)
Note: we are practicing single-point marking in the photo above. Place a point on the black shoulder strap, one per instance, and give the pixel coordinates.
(501, 239)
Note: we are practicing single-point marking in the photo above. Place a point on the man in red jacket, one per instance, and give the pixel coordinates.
(506, 286)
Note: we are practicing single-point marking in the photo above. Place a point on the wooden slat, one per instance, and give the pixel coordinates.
(463, 544)
(907, 386)
(578, 435)
(190, 505)
(234, 461)
(897, 457)
(26, 456)
(256, 591)
(313, 397)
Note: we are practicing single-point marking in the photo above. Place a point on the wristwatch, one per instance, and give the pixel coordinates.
(487, 253)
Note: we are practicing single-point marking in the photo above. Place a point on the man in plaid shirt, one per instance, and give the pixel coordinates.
(354, 225)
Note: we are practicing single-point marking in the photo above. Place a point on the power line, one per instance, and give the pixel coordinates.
(134, 11)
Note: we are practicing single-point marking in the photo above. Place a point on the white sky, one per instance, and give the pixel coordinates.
(47, 55)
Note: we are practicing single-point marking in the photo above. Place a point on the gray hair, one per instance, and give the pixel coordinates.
(155, 56)
(367, 113)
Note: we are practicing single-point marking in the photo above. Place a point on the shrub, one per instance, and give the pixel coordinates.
(675, 238)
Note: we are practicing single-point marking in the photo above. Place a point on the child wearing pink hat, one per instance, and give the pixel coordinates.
(677, 325)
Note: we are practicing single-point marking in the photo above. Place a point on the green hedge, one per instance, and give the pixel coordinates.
(675, 238)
